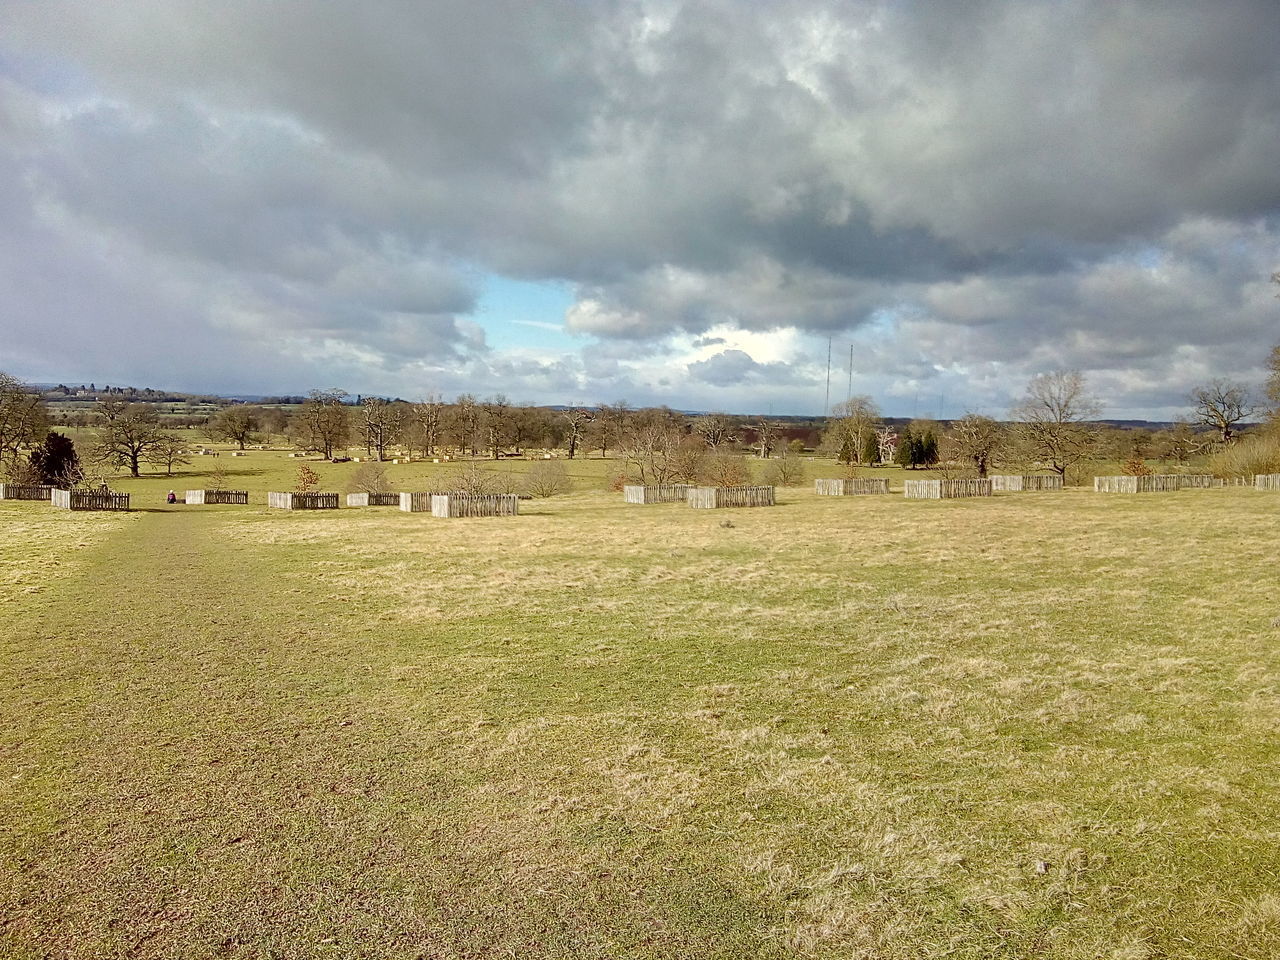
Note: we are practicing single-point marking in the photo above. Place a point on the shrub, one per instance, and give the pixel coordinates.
(369, 478)
(473, 479)
(1135, 466)
(1256, 453)
(725, 470)
(786, 471)
(689, 460)
(546, 478)
(308, 479)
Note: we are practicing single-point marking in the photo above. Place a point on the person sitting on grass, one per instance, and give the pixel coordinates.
(173, 497)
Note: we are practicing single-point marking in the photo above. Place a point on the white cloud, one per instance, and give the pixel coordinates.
(313, 190)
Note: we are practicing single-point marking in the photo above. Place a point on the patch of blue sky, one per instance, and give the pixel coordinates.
(520, 314)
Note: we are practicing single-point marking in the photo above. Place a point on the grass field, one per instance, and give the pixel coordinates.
(1032, 725)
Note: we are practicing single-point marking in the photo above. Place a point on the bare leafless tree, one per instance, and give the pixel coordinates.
(1222, 404)
(323, 425)
(425, 419)
(723, 468)
(577, 419)
(546, 478)
(369, 478)
(766, 438)
(464, 422)
(609, 426)
(236, 424)
(1054, 421)
(977, 440)
(23, 422)
(495, 421)
(383, 421)
(1273, 382)
(128, 433)
(651, 449)
(715, 429)
(886, 444)
(168, 451)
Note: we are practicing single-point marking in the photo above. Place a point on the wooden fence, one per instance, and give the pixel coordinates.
(850, 486)
(89, 500)
(946, 489)
(657, 493)
(373, 499)
(303, 501)
(1267, 481)
(1155, 483)
(486, 505)
(1027, 482)
(712, 497)
(25, 491)
(421, 502)
(217, 496)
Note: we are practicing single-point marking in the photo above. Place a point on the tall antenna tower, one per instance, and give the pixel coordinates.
(849, 396)
(826, 407)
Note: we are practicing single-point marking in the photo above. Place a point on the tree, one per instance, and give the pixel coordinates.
(495, 422)
(1054, 420)
(528, 426)
(168, 452)
(577, 419)
(977, 440)
(323, 424)
(766, 438)
(786, 471)
(56, 462)
(858, 418)
(236, 424)
(425, 423)
(610, 424)
(651, 449)
(887, 441)
(23, 420)
(1222, 404)
(1181, 442)
(870, 447)
(382, 422)
(715, 429)
(905, 454)
(369, 478)
(546, 478)
(128, 433)
(308, 480)
(722, 468)
(273, 420)
(464, 422)
(1273, 381)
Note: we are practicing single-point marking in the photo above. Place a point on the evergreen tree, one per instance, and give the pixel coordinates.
(928, 454)
(870, 447)
(56, 462)
(905, 455)
(847, 449)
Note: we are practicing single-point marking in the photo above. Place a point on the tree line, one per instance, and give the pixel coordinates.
(1053, 426)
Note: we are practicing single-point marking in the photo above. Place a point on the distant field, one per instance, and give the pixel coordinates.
(1031, 725)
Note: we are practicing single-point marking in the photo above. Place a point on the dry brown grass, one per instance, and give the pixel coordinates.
(1034, 725)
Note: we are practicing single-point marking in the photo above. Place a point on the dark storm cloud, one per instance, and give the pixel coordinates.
(975, 191)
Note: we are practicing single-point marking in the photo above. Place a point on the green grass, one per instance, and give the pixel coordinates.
(1032, 725)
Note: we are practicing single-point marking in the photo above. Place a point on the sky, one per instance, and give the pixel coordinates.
(663, 202)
